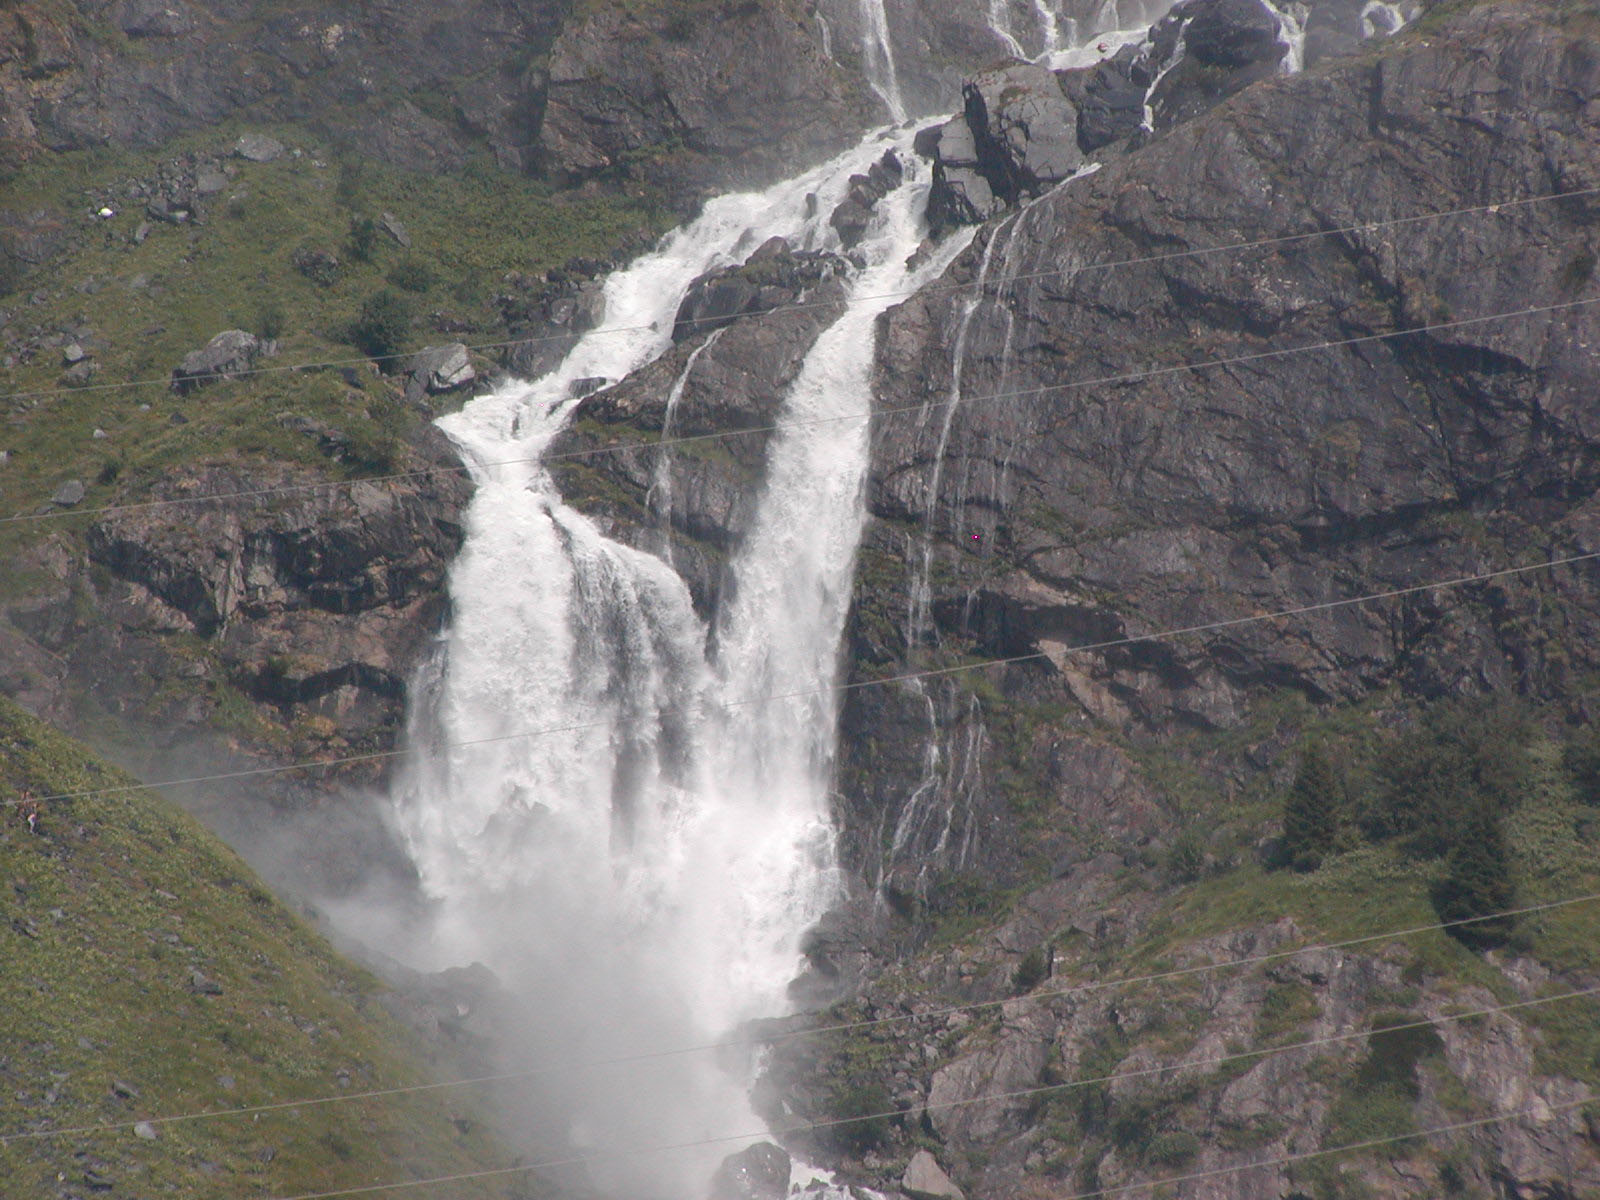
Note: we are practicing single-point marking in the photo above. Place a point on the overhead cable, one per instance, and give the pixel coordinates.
(590, 452)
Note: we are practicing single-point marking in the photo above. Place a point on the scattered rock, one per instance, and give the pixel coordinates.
(142, 232)
(69, 493)
(209, 180)
(202, 985)
(319, 266)
(72, 353)
(392, 226)
(172, 212)
(227, 355)
(126, 1090)
(588, 385)
(258, 147)
(924, 1180)
(99, 435)
(759, 1172)
(145, 1131)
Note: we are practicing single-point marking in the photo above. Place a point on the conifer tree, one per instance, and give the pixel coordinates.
(1311, 812)
(1478, 881)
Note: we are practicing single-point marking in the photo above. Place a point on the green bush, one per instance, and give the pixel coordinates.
(1033, 970)
(1582, 761)
(412, 275)
(866, 1102)
(270, 320)
(1186, 860)
(383, 328)
(363, 238)
(1173, 1148)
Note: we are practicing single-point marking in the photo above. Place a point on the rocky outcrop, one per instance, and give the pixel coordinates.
(229, 354)
(1109, 509)
(1017, 134)
(725, 94)
(744, 334)
(280, 626)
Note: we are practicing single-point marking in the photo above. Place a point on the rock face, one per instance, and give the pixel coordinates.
(744, 88)
(729, 373)
(244, 630)
(1306, 467)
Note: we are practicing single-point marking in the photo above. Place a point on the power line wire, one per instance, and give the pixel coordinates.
(1495, 207)
(876, 1022)
(721, 435)
(857, 685)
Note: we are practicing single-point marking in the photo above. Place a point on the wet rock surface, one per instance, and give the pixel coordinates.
(747, 102)
(745, 333)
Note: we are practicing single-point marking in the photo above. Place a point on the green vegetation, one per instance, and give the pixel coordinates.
(148, 973)
(1312, 812)
(269, 255)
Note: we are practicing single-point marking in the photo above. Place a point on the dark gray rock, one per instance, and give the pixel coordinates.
(154, 18)
(1231, 33)
(225, 356)
(759, 1172)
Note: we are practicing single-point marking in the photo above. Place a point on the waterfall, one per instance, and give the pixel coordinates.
(641, 875)
(877, 53)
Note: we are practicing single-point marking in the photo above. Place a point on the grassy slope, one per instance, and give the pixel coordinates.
(155, 302)
(107, 912)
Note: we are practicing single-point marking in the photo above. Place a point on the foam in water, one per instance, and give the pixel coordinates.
(642, 874)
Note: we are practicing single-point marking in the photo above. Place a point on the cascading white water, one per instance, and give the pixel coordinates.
(642, 874)
(877, 52)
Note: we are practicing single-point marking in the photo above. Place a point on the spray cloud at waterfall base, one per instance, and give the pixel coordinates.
(639, 881)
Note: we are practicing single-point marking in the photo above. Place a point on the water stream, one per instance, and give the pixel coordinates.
(642, 874)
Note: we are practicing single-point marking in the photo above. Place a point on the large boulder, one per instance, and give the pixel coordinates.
(1016, 136)
(1232, 33)
(925, 1180)
(436, 369)
(230, 354)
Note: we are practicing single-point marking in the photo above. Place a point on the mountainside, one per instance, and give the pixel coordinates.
(1132, 453)
(149, 974)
